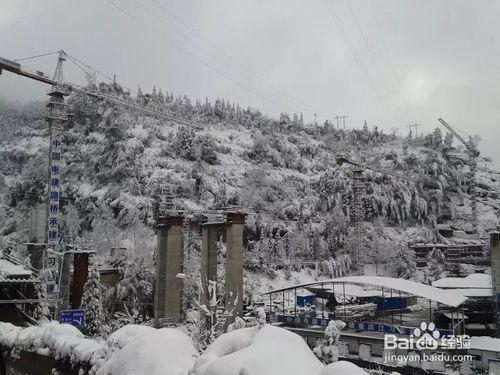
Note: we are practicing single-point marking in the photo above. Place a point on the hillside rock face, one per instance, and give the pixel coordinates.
(301, 204)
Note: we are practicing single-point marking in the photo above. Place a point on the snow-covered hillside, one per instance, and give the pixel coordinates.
(283, 172)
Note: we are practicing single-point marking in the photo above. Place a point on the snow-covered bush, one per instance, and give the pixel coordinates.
(404, 263)
(327, 349)
(184, 142)
(91, 302)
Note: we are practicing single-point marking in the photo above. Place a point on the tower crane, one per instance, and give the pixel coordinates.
(473, 153)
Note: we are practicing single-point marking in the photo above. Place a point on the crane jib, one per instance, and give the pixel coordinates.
(9, 64)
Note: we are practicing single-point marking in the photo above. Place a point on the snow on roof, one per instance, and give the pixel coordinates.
(438, 295)
(9, 269)
(446, 297)
(476, 281)
(474, 292)
(305, 293)
(485, 343)
(350, 290)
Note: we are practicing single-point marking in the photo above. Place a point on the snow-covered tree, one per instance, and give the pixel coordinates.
(135, 289)
(91, 302)
(238, 324)
(41, 310)
(212, 313)
(435, 265)
(327, 349)
(184, 143)
(404, 263)
(261, 317)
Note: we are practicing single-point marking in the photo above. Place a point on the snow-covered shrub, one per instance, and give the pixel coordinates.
(404, 263)
(435, 265)
(205, 149)
(327, 350)
(183, 143)
(91, 302)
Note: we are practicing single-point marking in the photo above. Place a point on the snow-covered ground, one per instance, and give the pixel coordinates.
(139, 350)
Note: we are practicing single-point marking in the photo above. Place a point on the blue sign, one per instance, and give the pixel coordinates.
(310, 320)
(74, 317)
(375, 327)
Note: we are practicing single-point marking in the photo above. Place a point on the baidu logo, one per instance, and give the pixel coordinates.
(427, 336)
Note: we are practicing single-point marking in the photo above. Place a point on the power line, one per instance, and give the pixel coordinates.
(353, 14)
(336, 20)
(197, 58)
(384, 44)
(229, 56)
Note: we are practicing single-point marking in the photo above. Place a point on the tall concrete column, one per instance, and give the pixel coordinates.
(211, 233)
(495, 274)
(80, 273)
(37, 233)
(234, 262)
(65, 280)
(168, 288)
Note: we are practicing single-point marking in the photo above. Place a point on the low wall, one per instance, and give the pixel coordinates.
(37, 364)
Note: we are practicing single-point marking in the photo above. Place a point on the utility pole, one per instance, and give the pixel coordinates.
(337, 118)
(343, 120)
(414, 126)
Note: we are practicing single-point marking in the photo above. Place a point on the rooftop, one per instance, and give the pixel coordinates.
(445, 297)
(12, 270)
(474, 281)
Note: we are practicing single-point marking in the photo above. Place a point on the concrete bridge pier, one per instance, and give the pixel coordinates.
(168, 287)
(495, 274)
(234, 263)
(211, 233)
(36, 245)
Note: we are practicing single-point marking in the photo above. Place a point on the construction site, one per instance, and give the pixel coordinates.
(147, 233)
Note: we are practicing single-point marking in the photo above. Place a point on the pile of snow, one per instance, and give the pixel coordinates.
(266, 351)
(126, 334)
(141, 350)
(62, 341)
(342, 368)
(164, 351)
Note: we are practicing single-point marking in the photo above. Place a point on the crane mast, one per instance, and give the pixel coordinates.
(473, 153)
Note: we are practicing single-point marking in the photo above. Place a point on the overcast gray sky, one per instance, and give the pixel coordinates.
(390, 62)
